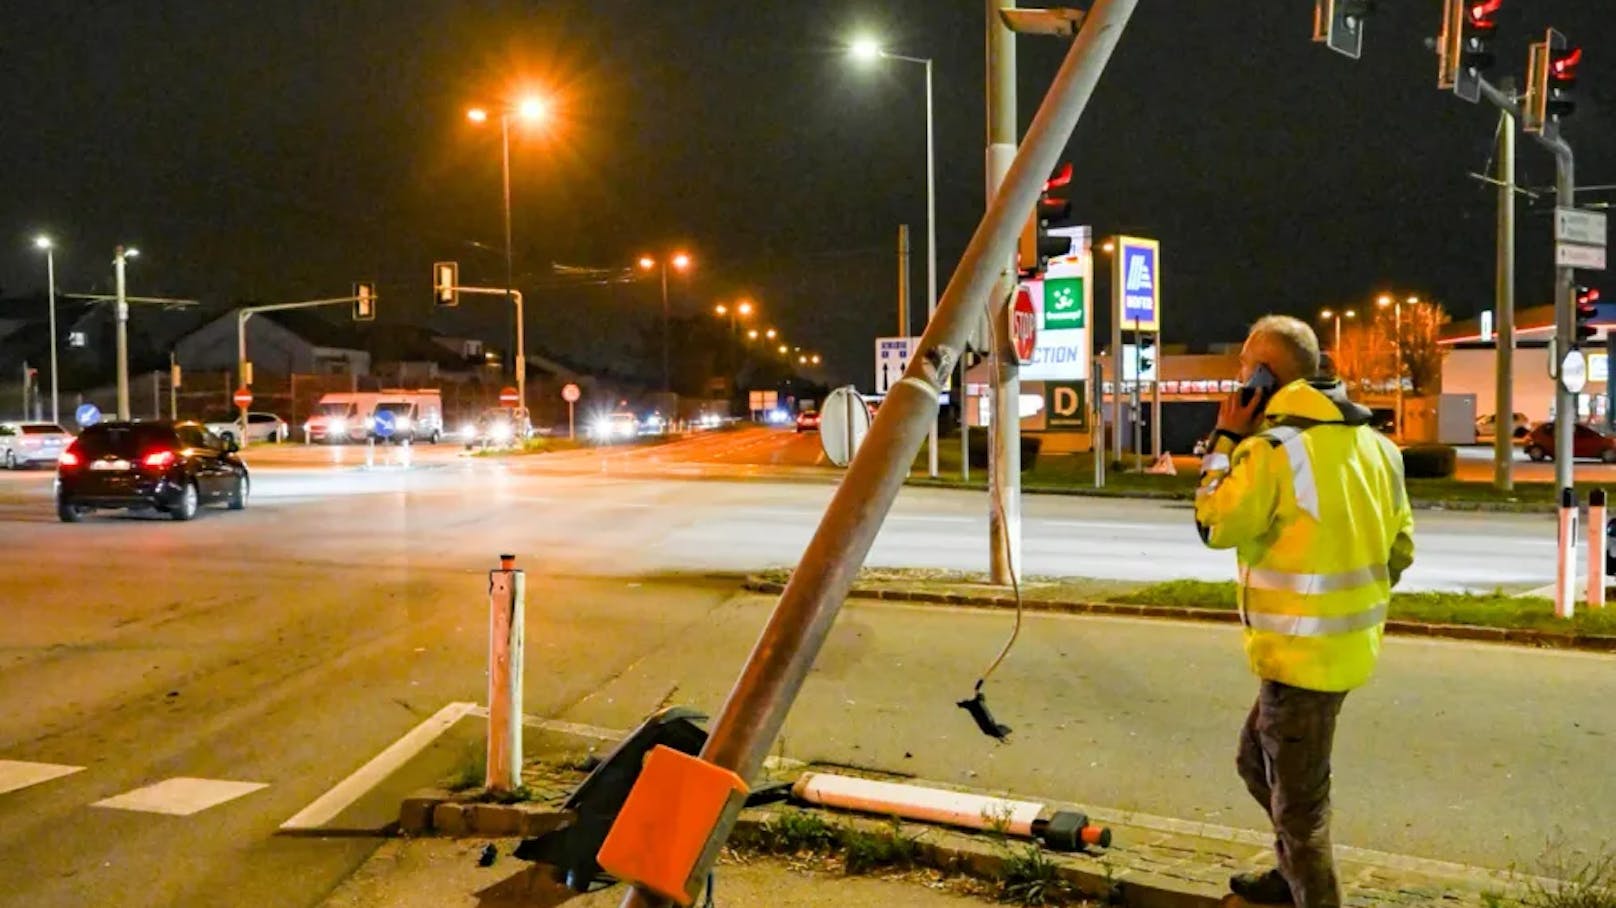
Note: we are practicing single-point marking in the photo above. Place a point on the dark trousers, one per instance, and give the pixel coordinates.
(1284, 760)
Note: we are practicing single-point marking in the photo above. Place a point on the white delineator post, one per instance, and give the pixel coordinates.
(506, 593)
(1565, 575)
(1596, 549)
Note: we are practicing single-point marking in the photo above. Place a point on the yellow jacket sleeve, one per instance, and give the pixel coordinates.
(1402, 554)
(1239, 492)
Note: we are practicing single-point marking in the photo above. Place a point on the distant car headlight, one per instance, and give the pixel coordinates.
(501, 432)
(468, 430)
(402, 423)
(626, 430)
(601, 428)
(337, 426)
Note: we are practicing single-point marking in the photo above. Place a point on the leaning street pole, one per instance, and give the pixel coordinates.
(1504, 303)
(785, 651)
(1004, 429)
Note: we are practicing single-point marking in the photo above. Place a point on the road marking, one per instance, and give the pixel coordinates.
(342, 795)
(180, 796)
(16, 775)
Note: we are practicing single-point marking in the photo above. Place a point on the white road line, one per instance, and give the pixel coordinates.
(180, 796)
(342, 795)
(16, 775)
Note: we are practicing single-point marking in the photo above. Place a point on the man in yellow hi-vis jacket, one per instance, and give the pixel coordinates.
(1312, 500)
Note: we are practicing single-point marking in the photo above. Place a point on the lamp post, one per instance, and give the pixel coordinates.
(120, 255)
(1385, 300)
(531, 109)
(869, 50)
(1333, 315)
(44, 243)
(681, 262)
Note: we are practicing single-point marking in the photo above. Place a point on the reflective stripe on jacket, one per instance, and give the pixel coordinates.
(1315, 508)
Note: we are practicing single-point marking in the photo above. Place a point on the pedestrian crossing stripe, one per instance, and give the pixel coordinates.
(16, 775)
(180, 796)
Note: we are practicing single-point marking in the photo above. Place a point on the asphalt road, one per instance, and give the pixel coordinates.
(259, 657)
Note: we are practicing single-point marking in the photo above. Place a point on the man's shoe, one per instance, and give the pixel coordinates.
(1262, 888)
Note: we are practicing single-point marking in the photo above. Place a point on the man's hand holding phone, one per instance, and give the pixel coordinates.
(1239, 414)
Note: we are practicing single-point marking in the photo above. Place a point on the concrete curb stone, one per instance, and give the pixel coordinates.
(1600, 643)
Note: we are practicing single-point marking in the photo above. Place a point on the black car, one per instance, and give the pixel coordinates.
(173, 467)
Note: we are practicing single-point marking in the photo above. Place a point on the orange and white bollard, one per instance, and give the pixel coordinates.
(1565, 575)
(1597, 543)
(506, 596)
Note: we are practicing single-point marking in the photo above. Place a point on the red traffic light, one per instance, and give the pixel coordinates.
(1480, 14)
(1587, 296)
(1563, 66)
(1061, 178)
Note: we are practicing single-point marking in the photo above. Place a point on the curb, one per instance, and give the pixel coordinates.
(436, 812)
(1596, 643)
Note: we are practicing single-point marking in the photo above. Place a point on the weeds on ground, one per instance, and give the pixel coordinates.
(891, 847)
(1030, 878)
(797, 831)
(470, 769)
(1577, 882)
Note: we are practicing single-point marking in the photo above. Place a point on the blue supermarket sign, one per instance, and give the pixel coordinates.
(1137, 281)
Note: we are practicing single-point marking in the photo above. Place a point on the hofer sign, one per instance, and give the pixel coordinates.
(1136, 283)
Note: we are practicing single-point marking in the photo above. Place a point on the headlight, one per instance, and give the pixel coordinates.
(625, 429)
(468, 431)
(403, 423)
(501, 432)
(336, 426)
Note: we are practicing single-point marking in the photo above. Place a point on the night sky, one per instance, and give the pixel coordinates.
(279, 151)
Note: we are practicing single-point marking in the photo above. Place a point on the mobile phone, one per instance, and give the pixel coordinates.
(1261, 385)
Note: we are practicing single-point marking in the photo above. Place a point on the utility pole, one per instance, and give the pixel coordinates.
(1504, 303)
(119, 254)
(1004, 439)
(779, 663)
(931, 253)
(1116, 355)
(1565, 327)
(903, 280)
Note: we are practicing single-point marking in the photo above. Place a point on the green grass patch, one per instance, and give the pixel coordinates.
(1030, 878)
(1495, 609)
(470, 768)
(861, 850)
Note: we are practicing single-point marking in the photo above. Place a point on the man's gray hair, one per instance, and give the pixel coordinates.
(1295, 337)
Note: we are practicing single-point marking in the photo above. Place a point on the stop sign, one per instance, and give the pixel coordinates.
(1023, 320)
(242, 398)
(507, 396)
(570, 393)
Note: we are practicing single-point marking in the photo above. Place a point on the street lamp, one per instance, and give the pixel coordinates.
(1333, 315)
(816, 359)
(120, 256)
(681, 262)
(752, 334)
(531, 109)
(1385, 300)
(868, 50)
(770, 334)
(44, 243)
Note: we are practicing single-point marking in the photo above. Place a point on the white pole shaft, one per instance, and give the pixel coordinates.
(123, 336)
(1004, 432)
(1565, 575)
(521, 350)
(932, 805)
(1504, 317)
(931, 253)
(1596, 551)
(505, 656)
(50, 277)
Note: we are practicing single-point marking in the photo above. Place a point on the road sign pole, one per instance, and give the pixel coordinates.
(571, 435)
(1004, 432)
(779, 663)
(506, 601)
(1565, 319)
(1504, 304)
(123, 333)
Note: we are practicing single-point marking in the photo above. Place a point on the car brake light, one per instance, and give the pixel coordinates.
(159, 459)
(68, 459)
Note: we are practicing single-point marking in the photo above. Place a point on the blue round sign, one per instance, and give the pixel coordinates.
(386, 423)
(87, 414)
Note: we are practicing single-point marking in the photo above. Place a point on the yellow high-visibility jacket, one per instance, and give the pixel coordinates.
(1315, 508)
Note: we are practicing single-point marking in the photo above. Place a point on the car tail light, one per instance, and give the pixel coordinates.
(68, 459)
(159, 459)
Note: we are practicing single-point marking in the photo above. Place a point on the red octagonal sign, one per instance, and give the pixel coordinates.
(242, 398)
(507, 396)
(1023, 318)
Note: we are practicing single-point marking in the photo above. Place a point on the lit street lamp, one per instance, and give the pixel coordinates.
(119, 256)
(680, 262)
(1333, 315)
(44, 243)
(1386, 299)
(531, 110)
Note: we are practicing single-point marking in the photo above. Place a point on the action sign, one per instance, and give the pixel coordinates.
(891, 359)
(1023, 323)
(242, 398)
(1136, 277)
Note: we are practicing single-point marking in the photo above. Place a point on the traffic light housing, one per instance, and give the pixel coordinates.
(445, 281)
(1466, 52)
(1145, 357)
(1339, 24)
(364, 307)
(1551, 77)
(1587, 312)
(1053, 212)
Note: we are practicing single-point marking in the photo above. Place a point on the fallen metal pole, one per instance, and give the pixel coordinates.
(774, 672)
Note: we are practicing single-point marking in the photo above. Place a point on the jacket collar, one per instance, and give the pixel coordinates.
(1315, 402)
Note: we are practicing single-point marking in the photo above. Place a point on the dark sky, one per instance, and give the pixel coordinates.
(279, 151)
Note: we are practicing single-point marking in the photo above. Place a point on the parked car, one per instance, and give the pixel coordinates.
(175, 467)
(1487, 426)
(1586, 442)
(28, 443)
(615, 427)
(808, 421)
(261, 427)
(497, 427)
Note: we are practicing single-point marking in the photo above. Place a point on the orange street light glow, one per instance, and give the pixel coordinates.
(681, 261)
(752, 334)
(477, 115)
(745, 308)
(647, 262)
(770, 333)
(532, 109)
(721, 309)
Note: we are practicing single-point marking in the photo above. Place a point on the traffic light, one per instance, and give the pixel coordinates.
(1340, 24)
(1587, 311)
(1146, 358)
(1468, 27)
(1551, 76)
(364, 307)
(445, 284)
(1053, 212)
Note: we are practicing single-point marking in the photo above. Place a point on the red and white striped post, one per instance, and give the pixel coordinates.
(1596, 549)
(1565, 575)
(506, 596)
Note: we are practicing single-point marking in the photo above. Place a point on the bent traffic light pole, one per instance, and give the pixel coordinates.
(785, 651)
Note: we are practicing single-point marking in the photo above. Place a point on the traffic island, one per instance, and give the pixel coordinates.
(1491, 618)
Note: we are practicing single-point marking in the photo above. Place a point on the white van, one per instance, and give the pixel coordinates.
(341, 417)
(417, 415)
